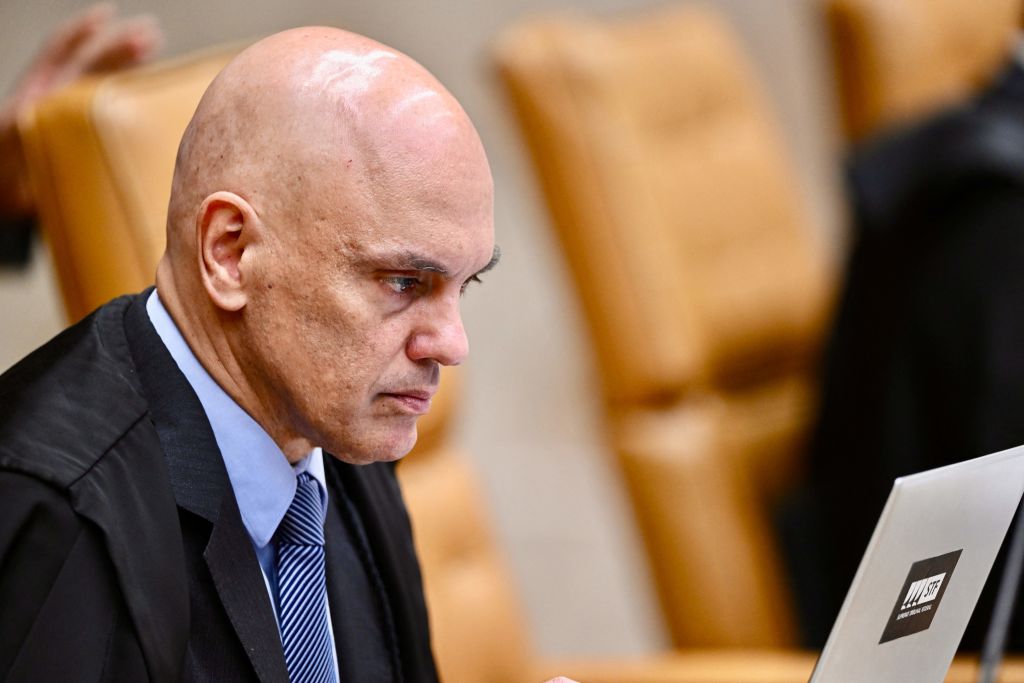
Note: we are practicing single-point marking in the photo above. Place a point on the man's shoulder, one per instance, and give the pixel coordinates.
(70, 400)
(937, 160)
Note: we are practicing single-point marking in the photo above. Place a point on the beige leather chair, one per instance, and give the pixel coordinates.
(704, 291)
(900, 59)
(101, 155)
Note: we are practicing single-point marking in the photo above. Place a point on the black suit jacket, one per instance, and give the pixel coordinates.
(123, 552)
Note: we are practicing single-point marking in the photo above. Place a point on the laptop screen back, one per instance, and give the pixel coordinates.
(923, 571)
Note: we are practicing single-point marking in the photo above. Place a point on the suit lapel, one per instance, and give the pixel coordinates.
(375, 495)
(239, 581)
(200, 484)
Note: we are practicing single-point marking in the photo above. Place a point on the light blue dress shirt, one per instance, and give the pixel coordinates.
(261, 477)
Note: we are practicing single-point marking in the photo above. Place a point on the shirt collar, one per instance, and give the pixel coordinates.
(261, 477)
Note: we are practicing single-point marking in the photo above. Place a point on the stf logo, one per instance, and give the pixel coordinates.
(919, 598)
(924, 590)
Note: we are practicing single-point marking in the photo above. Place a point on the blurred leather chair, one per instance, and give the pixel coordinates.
(704, 292)
(101, 156)
(897, 60)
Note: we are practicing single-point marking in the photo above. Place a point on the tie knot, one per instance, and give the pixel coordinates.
(303, 524)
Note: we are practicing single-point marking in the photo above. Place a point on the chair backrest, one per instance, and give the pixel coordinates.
(702, 285)
(900, 59)
(101, 157)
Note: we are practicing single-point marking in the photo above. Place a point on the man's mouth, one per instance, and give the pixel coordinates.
(414, 401)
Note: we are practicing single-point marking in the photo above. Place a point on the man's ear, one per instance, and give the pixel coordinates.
(226, 226)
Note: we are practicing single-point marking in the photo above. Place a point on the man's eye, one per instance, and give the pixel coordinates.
(401, 284)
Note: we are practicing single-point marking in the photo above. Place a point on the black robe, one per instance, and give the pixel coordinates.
(925, 364)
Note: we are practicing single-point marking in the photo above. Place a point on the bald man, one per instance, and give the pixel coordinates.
(162, 460)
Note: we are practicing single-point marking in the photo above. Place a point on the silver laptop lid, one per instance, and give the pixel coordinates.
(923, 571)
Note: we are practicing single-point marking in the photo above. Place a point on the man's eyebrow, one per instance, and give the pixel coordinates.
(418, 262)
(421, 263)
(495, 257)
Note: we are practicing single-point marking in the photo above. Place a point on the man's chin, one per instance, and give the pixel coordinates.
(393, 447)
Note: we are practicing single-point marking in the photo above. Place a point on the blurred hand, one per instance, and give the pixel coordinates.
(91, 42)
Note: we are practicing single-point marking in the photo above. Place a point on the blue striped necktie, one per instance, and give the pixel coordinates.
(302, 587)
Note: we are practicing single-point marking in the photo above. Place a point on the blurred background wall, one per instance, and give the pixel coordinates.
(529, 417)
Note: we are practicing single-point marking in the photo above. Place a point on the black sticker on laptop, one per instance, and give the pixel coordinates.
(922, 592)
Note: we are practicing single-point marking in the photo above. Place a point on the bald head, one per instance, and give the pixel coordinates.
(309, 106)
(331, 202)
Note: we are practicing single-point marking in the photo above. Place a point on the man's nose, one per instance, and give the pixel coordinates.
(441, 337)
